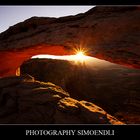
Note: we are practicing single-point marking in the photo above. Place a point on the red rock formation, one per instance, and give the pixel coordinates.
(110, 33)
(11, 60)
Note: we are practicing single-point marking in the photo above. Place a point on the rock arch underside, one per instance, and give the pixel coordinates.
(108, 33)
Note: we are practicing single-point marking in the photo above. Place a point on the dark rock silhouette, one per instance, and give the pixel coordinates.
(25, 100)
(109, 33)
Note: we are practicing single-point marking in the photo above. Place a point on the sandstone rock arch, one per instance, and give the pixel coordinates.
(109, 33)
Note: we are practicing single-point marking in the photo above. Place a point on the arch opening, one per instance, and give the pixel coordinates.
(11, 60)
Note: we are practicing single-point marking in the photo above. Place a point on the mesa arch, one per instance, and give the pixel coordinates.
(109, 33)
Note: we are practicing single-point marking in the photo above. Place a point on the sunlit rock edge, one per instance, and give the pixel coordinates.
(25, 100)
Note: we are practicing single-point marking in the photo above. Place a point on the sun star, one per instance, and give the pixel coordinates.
(80, 56)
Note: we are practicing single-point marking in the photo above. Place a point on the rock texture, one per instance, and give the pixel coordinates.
(24, 100)
(110, 33)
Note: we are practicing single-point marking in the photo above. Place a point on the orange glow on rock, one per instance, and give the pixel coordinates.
(11, 60)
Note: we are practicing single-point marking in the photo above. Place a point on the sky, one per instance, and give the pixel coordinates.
(10, 15)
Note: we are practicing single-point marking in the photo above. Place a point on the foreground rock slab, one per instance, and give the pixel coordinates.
(25, 100)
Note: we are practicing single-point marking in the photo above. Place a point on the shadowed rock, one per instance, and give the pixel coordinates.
(30, 101)
(110, 33)
(112, 87)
